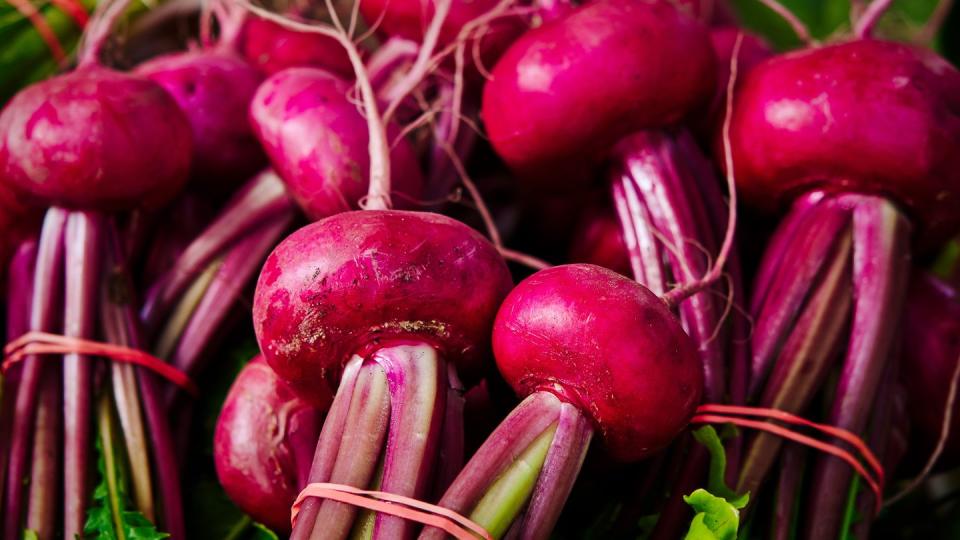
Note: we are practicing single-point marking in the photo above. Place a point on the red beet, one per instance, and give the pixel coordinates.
(213, 87)
(566, 92)
(272, 48)
(66, 141)
(864, 116)
(358, 279)
(263, 444)
(605, 344)
(317, 141)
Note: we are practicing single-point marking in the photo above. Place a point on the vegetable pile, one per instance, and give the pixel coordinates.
(519, 269)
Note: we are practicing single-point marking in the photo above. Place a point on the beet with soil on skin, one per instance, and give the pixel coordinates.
(263, 444)
(317, 141)
(346, 283)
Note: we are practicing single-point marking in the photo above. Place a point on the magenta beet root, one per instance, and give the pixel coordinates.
(65, 141)
(545, 109)
(858, 139)
(592, 352)
(213, 87)
(263, 444)
(931, 350)
(272, 48)
(389, 309)
(317, 141)
(867, 116)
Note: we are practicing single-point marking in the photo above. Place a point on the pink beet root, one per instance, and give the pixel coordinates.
(355, 280)
(931, 351)
(410, 18)
(317, 141)
(864, 116)
(66, 141)
(599, 240)
(272, 48)
(605, 344)
(263, 444)
(214, 88)
(564, 93)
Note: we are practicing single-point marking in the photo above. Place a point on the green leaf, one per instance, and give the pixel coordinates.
(110, 506)
(850, 514)
(30, 534)
(716, 519)
(261, 532)
(716, 483)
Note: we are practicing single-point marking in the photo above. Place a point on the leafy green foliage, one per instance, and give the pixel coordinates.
(101, 522)
(717, 510)
(716, 519)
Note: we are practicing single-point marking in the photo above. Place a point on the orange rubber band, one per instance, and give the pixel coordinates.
(42, 343)
(47, 34)
(74, 9)
(432, 515)
(874, 478)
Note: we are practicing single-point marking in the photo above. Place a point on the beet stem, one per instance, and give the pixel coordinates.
(83, 238)
(42, 508)
(452, 439)
(513, 436)
(812, 343)
(240, 265)
(328, 444)
(787, 500)
(560, 470)
(881, 266)
(417, 381)
(359, 451)
(261, 198)
(47, 292)
(19, 294)
(123, 328)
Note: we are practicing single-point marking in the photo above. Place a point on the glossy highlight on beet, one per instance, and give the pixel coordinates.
(317, 139)
(67, 141)
(607, 345)
(355, 280)
(864, 116)
(565, 92)
(263, 444)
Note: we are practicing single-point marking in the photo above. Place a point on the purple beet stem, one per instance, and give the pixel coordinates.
(83, 238)
(880, 269)
(241, 263)
(788, 490)
(19, 294)
(452, 441)
(564, 458)
(44, 471)
(166, 471)
(518, 430)
(47, 291)
(260, 199)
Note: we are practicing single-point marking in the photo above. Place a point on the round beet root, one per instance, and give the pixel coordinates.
(605, 344)
(214, 89)
(272, 48)
(864, 116)
(263, 444)
(564, 93)
(931, 351)
(317, 141)
(345, 284)
(67, 141)
(599, 240)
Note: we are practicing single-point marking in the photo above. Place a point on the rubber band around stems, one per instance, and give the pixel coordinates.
(726, 414)
(43, 343)
(428, 514)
